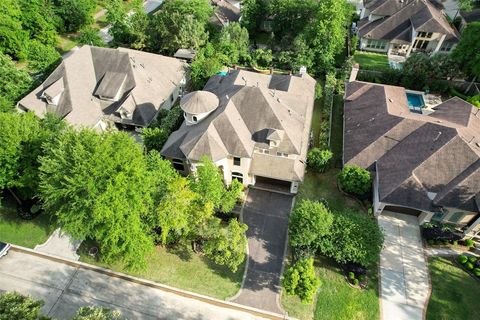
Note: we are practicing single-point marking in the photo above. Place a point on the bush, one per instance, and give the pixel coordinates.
(41, 58)
(319, 159)
(476, 272)
(438, 233)
(362, 278)
(300, 280)
(431, 242)
(355, 180)
(355, 282)
(351, 275)
(469, 243)
(472, 259)
(462, 259)
(469, 266)
(475, 100)
(455, 242)
(353, 237)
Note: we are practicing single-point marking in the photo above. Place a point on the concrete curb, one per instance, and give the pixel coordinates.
(151, 284)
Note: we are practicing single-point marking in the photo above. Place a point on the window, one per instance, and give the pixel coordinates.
(236, 161)
(426, 35)
(456, 217)
(376, 44)
(194, 118)
(178, 164)
(421, 44)
(172, 98)
(438, 216)
(238, 176)
(446, 46)
(282, 154)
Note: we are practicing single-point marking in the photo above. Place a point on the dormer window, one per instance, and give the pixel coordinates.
(274, 137)
(54, 92)
(111, 86)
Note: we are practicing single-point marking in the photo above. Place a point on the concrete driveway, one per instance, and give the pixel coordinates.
(404, 278)
(66, 288)
(266, 214)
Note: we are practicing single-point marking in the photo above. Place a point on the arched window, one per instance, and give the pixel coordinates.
(238, 176)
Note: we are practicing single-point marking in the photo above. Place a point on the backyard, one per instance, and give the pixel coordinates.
(372, 61)
(454, 292)
(26, 233)
(182, 268)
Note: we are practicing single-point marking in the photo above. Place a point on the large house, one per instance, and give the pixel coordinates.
(254, 126)
(427, 165)
(99, 87)
(400, 27)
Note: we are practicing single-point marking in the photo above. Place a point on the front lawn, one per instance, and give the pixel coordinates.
(180, 267)
(454, 292)
(336, 300)
(372, 61)
(26, 233)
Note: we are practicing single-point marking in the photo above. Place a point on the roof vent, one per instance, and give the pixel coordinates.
(438, 136)
(390, 99)
(478, 144)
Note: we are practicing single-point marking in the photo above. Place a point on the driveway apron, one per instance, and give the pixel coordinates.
(404, 279)
(266, 214)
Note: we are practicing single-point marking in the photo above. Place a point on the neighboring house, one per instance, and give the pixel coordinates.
(424, 165)
(99, 87)
(468, 17)
(400, 27)
(255, 127)
(226, 11)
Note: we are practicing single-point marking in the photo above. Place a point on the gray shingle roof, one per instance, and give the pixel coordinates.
(401, 18)
(143, 81)
(245, 117)
(414, 154)
(198, 102)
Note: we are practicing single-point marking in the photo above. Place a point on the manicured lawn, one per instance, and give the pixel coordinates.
(336, 300)
(372, 61)
(317, 186)
(182, 268)
(454, 292)
(26, 233)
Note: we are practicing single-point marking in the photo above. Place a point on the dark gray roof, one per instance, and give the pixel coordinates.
(414, 154)
(472, 16)
(401, 18)
(111, 84)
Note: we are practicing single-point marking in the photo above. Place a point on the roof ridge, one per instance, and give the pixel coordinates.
(386, 18)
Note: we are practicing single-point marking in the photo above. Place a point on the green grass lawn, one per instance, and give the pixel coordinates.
(26, 233)
(336, 300)
(454, 292)
(180, 267)
(66, 42)
(372, 61)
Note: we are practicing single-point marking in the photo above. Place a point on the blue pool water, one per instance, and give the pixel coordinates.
(415, 102)
(223, 73)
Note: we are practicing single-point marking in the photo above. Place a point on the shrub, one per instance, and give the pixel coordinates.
(351, 275)
(472, 259)
(309, 221)
(439, 233)
(469, 243)
(455, 242)
(476, 272)
(355, 282)
(300, 280)
(353, 237)
(355, 180)
(431, 242)
(319, 159)
(462, 259)
(362, 278)
(469, 266)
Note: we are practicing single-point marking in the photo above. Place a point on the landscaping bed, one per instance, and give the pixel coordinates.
(179, 266)
(454, 292)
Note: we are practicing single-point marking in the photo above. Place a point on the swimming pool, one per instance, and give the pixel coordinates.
(223, 73)
(415, 102)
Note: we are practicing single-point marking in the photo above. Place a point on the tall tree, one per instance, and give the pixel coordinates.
(38, 19)
(253, 14)
(16, 306)
(201, 10)
(14, 83)
(72, 15)
(128, 23)
(208, 183)
(42, 58)
(13, 37)
(91, 36)
(467, 52)
(95, 184)
(233, 42)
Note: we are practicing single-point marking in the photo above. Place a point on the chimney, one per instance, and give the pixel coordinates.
(354, 72)
(303, 70)
(271, 70)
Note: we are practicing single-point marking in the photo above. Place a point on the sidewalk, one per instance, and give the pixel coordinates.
(61, 245)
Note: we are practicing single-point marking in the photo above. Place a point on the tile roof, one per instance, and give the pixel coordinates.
(414, 154)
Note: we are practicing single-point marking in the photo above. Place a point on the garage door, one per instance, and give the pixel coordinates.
(272, 184)
(404, 210)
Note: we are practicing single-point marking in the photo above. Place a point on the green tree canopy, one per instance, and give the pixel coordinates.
(95, 184)
(355, 180)
(72, 15)
(233, 42)
(14, 83)
(41, 58)
(127, 29)
(309, 221)
(207, 63)
(467, 52)
(253, 14)
(227, 245)
(16, 306)
(96, 313)
(38, 19)
(353, 237)
(91, 36)
(13, 37)
(201, 10)
(300, 280)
